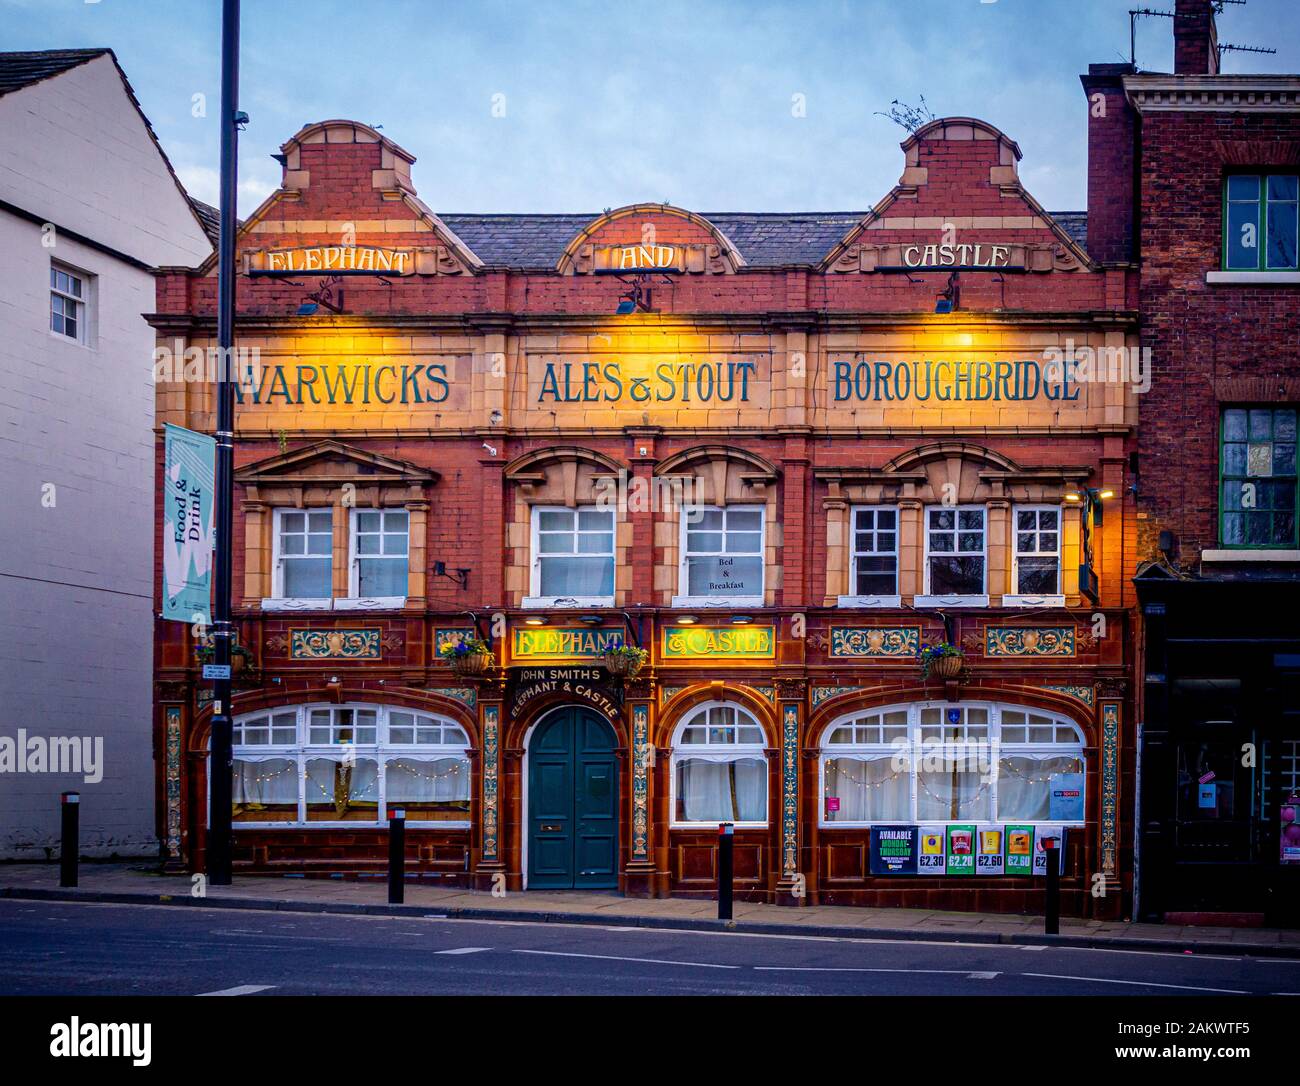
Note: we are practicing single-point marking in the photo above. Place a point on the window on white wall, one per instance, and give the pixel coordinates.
(304, 548)
(380, 545)
(719, 768)
(722, 555)
(69, 298)
(573, 556)
(941, 762)
(349, 763)
(1037, 554)
(955, 562)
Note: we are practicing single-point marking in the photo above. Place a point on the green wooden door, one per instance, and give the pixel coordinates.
(573, 803)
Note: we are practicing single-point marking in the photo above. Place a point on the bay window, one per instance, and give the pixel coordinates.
(349, 764)
(719, 768)
(938, 762)
(573, 556)
(722, 556)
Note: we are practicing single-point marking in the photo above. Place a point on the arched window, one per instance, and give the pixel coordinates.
(719, 768)
(313, 764)
(936, 762)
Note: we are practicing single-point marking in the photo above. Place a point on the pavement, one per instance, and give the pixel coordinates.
(142, 884)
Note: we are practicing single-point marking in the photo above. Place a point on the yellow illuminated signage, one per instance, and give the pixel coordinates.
(335, 259)
(568, 643)
(713, 643)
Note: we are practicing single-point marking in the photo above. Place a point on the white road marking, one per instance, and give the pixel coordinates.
(851, 969)
(464, 950)
(238, 990)
(1036, 946)
(1137, 983)
(615, 958)
(982, 976)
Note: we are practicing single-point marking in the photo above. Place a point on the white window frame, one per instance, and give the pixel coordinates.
(1015, 598)
(84, 304)
(980, 599)
(278, 601)
(852, 599)
(301, 751)
(354, 602)
(683, 599)
(998, 749)
(534, 599)
(738, 750)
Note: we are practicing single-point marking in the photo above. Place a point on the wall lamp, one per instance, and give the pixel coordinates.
(638, 297)
(950, 299)
(1089, 499)
(460, 576)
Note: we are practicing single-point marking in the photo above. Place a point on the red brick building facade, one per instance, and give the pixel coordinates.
(781, 453)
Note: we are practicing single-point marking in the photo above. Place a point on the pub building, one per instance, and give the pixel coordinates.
(780, 453)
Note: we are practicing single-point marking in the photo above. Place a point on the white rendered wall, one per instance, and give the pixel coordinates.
(76, 562)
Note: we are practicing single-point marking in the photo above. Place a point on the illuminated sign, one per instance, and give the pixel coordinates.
(634, 258)
(681, 379)
(712, 643)
(859, 379)
(570, 643)
(333, 260)
(957, 256)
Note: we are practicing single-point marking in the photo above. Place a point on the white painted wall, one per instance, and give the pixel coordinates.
(76, 641)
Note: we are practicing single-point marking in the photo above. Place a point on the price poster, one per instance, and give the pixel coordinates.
(1290, 811)
(893, 850)
(1019, 842)
(961, 850)
(988, 850)
(1045, 834)
(932, 857)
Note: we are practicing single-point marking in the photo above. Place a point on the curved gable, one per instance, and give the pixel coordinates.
(649, 238)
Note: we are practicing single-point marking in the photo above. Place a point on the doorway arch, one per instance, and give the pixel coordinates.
(572, 801)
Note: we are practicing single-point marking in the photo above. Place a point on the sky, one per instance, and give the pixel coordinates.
(579, 105)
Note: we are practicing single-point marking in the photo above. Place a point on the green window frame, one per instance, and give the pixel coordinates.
(1258, 491)
(1261, 222)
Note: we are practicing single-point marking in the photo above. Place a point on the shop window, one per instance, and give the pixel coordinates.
(380, 544)
(69, 297)
(573, 557)
(719, 768)
(1036, 563)
(945, 763)
(955, 564)
(1260, 222)
(349, 764)
(875, 552)
(1258, 473)
(304, 548)
(722, 555)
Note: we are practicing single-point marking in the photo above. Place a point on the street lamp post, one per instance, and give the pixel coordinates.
(220, 753)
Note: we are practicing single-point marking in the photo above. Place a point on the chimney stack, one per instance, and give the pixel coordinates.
(1196, 39)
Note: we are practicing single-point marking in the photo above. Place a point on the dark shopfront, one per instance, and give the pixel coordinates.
(1220, 750)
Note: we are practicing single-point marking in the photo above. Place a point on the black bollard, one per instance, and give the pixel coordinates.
(70, 809)
(1052, 921)
(396, 856)
(726, 844)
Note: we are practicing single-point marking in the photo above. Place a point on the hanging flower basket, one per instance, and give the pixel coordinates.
(467, 655)
(940, 661)
(624, 660)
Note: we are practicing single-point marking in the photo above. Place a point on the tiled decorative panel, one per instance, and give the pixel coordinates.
(1083, 693)
(640, 782)
(825, 693)
(360, 644)
(1029, 641)
(877, 641)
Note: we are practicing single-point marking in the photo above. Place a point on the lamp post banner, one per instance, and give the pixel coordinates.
(188, 531)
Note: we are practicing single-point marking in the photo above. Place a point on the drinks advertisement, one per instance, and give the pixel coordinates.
(1041, 838)
(933, 856)
(988, 850)
(1020, 850)
(893, 850)
(961, 850)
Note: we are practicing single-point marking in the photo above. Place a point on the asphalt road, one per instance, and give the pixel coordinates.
(54, 948)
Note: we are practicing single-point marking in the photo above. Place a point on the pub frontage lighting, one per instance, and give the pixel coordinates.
(770, 519)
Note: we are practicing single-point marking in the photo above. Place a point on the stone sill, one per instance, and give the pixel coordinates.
(1252, 278)
(1244, 555)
